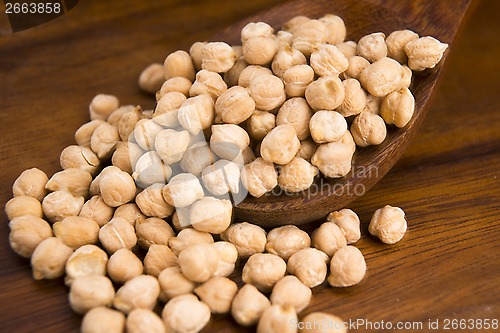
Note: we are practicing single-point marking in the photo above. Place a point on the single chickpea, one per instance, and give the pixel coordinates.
(308, 34)
(144, 321)
(333, 159)
(248, 238)
(328, 238)
(247, 156)
(278, 318)
(207, 82)
(309, 266)
(228, 140)
(326, 93)
(179, 64)
(348, 48)
(347, 267)
(368, 129)
(355, 98)
(336, 28)
(49, 258)
(153, 231)
(296, 80)
(180, 219)
(232, 76)
(259, 177)
(356, 65)
(151, 78)
(295, 22)
(115, 116)
(248, 305)
(307, 149)
(145, 132)
(260, 50)
(283, 38)
(23, 205)
(198, 262)
(234, 106)
(196, 158)
(151, 203)
(182, 190)
(268, 92)
(73, 180)
(197, 113)
(373, 104)
(424, 52)
(260, 123)
(177, 84)
(102, 106)
(335, 324)
(174, 283)
(130, 213)
(372, 47)
(150, 169)
(79, 157)
(327, 126)
(88, 292)
(280, 145)
(396, 42)
(117, 234)
(167, 111)
(104, 139)
(211, 215)
(217, 57)
(103, 319)
(221, 178)
(158, 258)
(297, 175)
(126, 156)
(286, 58)
(228, 255)
(140, 292)
(218, 293)
(187, 237)
(127, 122)
(256, 29)
(123, 265)
(263, 270)
(84, 133)
(76, 231)
(171, 145)
(85, 261)
(26, 232)
(117, 188)
(327, 60)
(250, 72)
(196, 54)
(388, 224)
(382, 77)
(406, 80)
(286, 240)
(299, 299)
(397, 107)
(31, 182)
(348, 222)
(185, 313)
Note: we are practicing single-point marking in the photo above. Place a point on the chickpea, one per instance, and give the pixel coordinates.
(79, 157)
(256, 29)
(286, 240)
(248, 238)
(151, 203)
(198, 262)
(356, 65)
(127, 122)
(145, 132)
(211, 215)
(123, 265)
(336, 28)
(182, 190)
(396, 42)
(115, 116)
(76, 231)
(388, 224)
(49, 258)
(424, 52)
(308, 34)
(355, 98)
(327, 126)
(102, 106)
(296, 79)
(130, 213)
(260, 123)
(196, 113)
(187, 237)
(88, 292)
(278, 318)
(250, 72)
(259, 50)
(347, 267)
(335, 324)
(267, 91)
(222, 177)
(228, 140)
(74, 181)
(117, 188)
(171, 144)
(294, 23)
(307, 149)
(185, 313)
(300, 297)
(368, 129)
(397, 107)
(151, 78)
(263, 270)
(326, 93)
(407, 76)
(309, 266)
(23, 205)
(327, 60)
(280, 145)
(208, 83)
(232, 76)
(177, 84)
(296, 176)
(179, 64)
(150, 170)
(104, 139)
(283, 38)
(196, 158)
(153, 231)
(259, 176)
(218, 293)
(382, 77)
(348, 222)
(26, 232)
(126, 156)
(328, 238)
(60, 204)
(348, 48)
(228, 255)
(247, 156)
(196, 54)
(372, 47)
(144, 321)
(287, 57)
(217, 57)
(117, 234)
(166, 112)
(173, 283)
(158, 258)
(248, 305)
(103, 319)
(87, 260)
(84, 133)
(31, 182)
(140, 292)
(373, 104)
(333, 159)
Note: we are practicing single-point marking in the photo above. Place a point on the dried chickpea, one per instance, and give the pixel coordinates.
(144, 321)
(207, 82)
(296, 79)
(102, 106)
(333, 159)
(84, 133)
(300, 297)
(123, 265)
(328, 238)
(153, 231)
(283, 38)
(248, 238)
(140, 292)
(86, 260)
(327, 60)
(396, 42)
(278, 319)
(372, 47)
(307, 149)
(228, 140)
(221, 177)
(60, 204)
(185, 313)
(314, 323)
(218, 293)
(127, 122)
(88, 292)
(196, 113)
(356, 65)
(259, 50)
(145, 132)
(336, 28)
(31, 182)
(49, 258)
(177, 84)
(256, 29)
(309, 266)
(368, 129)
(171, 144)
(130, 213)
(158, 258)
(263, 270)
(151, 203)
(187, 237)
(247, 156)
(197, 157)
(195, 51)
(76, 231)
(103, 319)
(210, 214)
(126, 156)
(424, 52)
(182, 190)
(297, 175)
(250, 72)
(151, 169)
(167, 111)
(117, 188)
(308, 34)
(373, 104)
(23, 205)
(74, 181)
(248, 305)
(280, 145)
(198, 262)
(348, 222)
(382, 77)
(295, 22)
(115, 116)
(228, 255)
(260, 123)
(174, 283)
(388, 224)
(104, 139)
(348, 48)
(327, 126)
(397, 107)
(232, 76)
(286, 240)
(117, 234)
(26, 232)
(259, 177)
(326, 93)
(268, 92)
(179, 64)
(354, 100)
(286, 58)
(347, 267)
(79, 157)
(217, 57)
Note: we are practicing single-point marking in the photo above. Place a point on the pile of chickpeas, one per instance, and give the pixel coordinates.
(141, 213)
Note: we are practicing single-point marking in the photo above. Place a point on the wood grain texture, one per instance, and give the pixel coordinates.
(447, 181)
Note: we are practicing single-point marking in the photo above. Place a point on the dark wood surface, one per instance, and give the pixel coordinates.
(447, 181)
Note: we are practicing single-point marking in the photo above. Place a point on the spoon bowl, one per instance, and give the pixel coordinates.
(440, 19)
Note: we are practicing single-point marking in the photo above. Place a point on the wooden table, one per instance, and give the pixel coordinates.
(446, 267)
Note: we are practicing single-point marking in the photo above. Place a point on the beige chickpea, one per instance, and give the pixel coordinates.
(95, 186)
(153, 231)
(348, 222)
(102, 106)
(167, 110)
(260, 123)
(326, 93)
(327, 60)
(250, 72)
(221, 178)
(49, 258)
(79, 157)
(207, 82)
(195, 51)
(84, 133)
(151, 78)
(197, 157)
(182, 190)
(171, 144)
(185, 313)
(26, 232)
(278, 318)
(295, 22)
(286, 58)
(150, 169)
(60, 204)
(368, 129)
(104, 139)
(232, 76)
(217, 57)
(286, 240)
(348, 48)
(248, 305)
(23, 205)
(228, 255)
(347, 267)
(179, 63)
(263, 270)
(177, 84)
(144, 321)
(256, 29)
(248, 238)
(228, 140)
(372, 47)
(130, 213)
(76, 231)
(397, 107)
(382, 77)
(296, 80)
(211, 215)
(126, 155)
(297, 175)
(280, 145)
(196, 113)
(355, 98)
(388, 224)
(307, 149)
(140, 292)
(396, 42)
(311, 320)
(127, 122)
(73, 180)
(123, 265)
(31, 182)
(259, 177)
(187, 237)
(218, 293)
(373, 104)
(115, 116)
(88, 292)
(328, 238)
(151, 203)
(247, 156)
(333, 159)
(283, 38)
(268, 92)
(117, 234)
(336, 28)
(356, 65)
(174, 283)
(158, 258)
(424, 52)
(308, 34)
(117, 188)
(198, 262)
(309, 266)
(259, 50)
(86, 260)
(290, 291)
(103, 319)
(327, 126)
(145, 132)
(406, 80)
(234, 106)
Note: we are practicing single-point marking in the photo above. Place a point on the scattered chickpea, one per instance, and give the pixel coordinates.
(153, 231)
(283, 38)
(308, 34)
(250, 72)
(260, 123)
(86, 260)
(259, 50)
(151, 78)
(228, 140)
(196, 158)
(218, 293)
(151, 203)
(356, 65)
(187, 237)
(182, 190)
(278, 319)
(300, 297)
(123, 265)
(309, 266)
(145, 132)
(396, 42)
(336, 28)
(327, 60)
(196, 113)
(388, 224)
(382, 77)
(207, 82)
(171, 145)
(256, 29)
(130, 213)
(232, 76)
(228, 255)
(198, 262)
(117, 188)
(328, 238)
(424, 52)
(115, 116)
(84, 133)
(150, 169)
(295, 22)
(373, 104)
(179, 64)
(126, 156)
(31, 182)
(144, 321)
(326, 93)
(222, 177)
(104, 139)
(333, 159)
(140, 292)
(73, 180)
(196, 54)
(259, 176)
(158, 258)
(248, 305)
(268, 92)
(286, 240)
(49, 258)
(177, 84)
(280, 145)
(23, 205)
(76, 231)
(263, 270)
(368, 129)
(88, 292)
(348, 222)
(103, 319)
(60, 204)
(286, 58)
(185, 313)
(217, 57)
(297, 175)
(127, 122)
(347, 267)
(102, 106)
(79, 157)
(335, 324)
(372, 47)
(348, 48)
(296, 80)
(355, 98)
(174, 283)
(327, 126)
(397, 107)
(167, 112)
(117, 234)
(210, 214)
(26, 232)
(307, 149)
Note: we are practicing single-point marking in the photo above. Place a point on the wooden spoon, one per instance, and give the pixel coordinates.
(440, 19)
